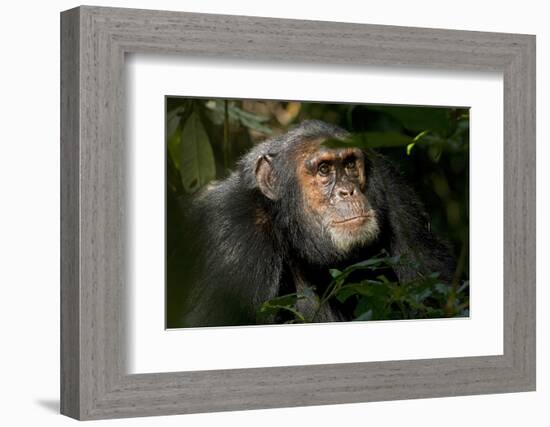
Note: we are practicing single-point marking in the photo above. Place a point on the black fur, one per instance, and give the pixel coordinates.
(247, 248)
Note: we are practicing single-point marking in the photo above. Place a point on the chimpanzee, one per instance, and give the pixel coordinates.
(292, 209)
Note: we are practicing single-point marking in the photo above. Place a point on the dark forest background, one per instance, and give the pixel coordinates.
(429, 145)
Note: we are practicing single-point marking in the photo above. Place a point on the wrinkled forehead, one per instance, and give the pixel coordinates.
(313, 148)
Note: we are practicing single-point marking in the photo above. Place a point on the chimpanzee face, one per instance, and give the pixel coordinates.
(321, 192)
(332, 184)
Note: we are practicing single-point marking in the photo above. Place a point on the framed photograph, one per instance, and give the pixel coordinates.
(262, 213)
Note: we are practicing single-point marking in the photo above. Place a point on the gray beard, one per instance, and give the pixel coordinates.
(345, 240)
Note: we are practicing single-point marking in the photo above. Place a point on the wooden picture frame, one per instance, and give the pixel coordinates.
(94, 382)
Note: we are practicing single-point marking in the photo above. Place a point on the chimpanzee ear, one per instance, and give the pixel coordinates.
(265, 177)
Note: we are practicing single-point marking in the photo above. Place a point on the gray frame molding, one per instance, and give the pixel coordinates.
(94, 383)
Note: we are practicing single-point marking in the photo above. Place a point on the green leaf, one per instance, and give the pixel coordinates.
(366, 140)
(373, 264)
(238, 115)
(345, 293)
(377, 306)
(197, 165)
(365, 316)
(174, 142)
(419, 119)
(418, 298)
(246, 115)
(250, 120)
(415, 140)
(420, 135)
(442, 288)
(335, 273)
(283, 301)
(386, 139)
(173, 118)
(367, 288)
(307, 292)
(464, 285)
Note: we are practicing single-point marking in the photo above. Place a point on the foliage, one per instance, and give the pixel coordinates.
(379, 298)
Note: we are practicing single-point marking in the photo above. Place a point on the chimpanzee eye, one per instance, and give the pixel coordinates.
(350, 164)
(323, 169)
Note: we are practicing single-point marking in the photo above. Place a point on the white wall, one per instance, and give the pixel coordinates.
(29, 212)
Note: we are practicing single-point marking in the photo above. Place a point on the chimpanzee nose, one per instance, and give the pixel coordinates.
(346, 191)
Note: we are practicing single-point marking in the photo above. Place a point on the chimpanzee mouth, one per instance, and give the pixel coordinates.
(352, 220)
(356, 219)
